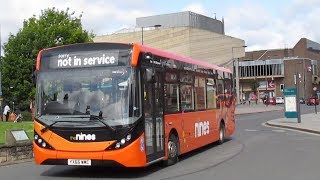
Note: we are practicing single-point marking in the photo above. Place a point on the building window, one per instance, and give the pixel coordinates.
(281, 87)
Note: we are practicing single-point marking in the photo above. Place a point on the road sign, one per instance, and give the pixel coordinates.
(271, 84)
(290, 102)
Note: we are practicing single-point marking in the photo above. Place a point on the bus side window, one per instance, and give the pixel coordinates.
(211, 94)
(171, 92)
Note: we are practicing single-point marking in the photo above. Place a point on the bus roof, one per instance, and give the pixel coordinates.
(181, 58)
(143, 48)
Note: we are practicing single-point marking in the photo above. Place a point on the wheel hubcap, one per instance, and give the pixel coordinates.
(221, 134)
(172, 149)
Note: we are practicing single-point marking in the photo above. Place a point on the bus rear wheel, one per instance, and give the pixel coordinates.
(173, 149)
(222, 134)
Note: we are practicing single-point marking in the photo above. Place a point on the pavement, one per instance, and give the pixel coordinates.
(257, 108)
(309, 122)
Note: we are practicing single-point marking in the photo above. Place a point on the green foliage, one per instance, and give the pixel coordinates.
(254, 85)
(21, 50)
(27, 116)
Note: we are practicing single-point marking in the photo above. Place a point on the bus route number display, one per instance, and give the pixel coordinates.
(88, 59)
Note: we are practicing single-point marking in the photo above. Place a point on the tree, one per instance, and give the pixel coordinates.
(254, 85)
(52, 28)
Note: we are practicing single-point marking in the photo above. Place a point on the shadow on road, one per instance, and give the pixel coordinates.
(117, 173)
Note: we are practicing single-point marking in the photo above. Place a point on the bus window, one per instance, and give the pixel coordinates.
(211, 94)
(200, 93)
(220, 92)
(186, 97)
(171, 98)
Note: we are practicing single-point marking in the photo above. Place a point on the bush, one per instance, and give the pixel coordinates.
(23, 106)
(27, 116)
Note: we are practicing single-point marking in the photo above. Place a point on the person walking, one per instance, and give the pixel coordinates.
(6, 112)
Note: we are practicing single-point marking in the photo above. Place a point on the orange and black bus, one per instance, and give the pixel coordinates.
(127, 105)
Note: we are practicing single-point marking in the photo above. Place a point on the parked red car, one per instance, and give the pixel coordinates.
(312, 101)
(271, 101)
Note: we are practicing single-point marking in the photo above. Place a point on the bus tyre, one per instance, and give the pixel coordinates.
(222, 133)
(172, 151)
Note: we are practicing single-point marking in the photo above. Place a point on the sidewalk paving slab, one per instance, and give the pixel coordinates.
(309, 123)
(257, 108)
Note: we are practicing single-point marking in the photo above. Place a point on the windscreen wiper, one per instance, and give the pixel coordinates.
(99, 118)
(47, 127)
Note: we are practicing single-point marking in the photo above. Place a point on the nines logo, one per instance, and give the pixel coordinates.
(83, 137)
(201, 128)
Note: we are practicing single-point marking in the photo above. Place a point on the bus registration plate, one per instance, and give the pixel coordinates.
(79, 162)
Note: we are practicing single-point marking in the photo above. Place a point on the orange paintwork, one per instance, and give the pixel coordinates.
(135, 55)
(38, 60)
(184, 123)
(130, 156)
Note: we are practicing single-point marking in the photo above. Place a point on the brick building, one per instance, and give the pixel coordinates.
(275, 69)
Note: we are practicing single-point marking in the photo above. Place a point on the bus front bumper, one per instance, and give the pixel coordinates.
(132, 155)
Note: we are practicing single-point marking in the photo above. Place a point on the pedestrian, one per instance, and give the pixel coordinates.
(249, 101)
(6, 112)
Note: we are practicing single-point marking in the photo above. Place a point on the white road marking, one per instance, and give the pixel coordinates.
(278, 130)
(251, 130)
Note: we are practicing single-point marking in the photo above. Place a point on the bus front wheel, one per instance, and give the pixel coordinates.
(173, 148)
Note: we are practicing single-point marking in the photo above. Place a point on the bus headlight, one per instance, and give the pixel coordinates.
(117, 145)
(122, 141)
(128, 138)
(44, 144)
(132, 134)
(40, 142)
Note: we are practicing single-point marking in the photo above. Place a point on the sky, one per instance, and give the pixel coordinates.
(264, 24)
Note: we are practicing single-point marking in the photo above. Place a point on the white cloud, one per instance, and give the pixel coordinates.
(263, 29)
(99, 16)
(195, 7)
(251, 21)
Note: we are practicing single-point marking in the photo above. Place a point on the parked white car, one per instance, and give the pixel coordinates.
(279, 100)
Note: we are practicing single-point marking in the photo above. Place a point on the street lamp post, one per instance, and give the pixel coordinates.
(315, 99)
(265, 78)
(156, 26)
(236, 69)
(11, 87)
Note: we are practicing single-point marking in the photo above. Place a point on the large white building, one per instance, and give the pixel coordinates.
(184, 33)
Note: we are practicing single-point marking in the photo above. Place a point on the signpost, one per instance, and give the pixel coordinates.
(16, 136)
(271, 84)
(315, 99)
(292, 105)
(290, 102)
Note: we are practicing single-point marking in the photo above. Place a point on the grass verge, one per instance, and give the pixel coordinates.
(27, 126)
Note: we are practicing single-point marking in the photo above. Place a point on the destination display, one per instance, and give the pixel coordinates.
(84, 59)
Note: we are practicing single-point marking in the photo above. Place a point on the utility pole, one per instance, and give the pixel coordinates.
(236, 68)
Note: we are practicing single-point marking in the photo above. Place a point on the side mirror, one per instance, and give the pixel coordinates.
(149, 75)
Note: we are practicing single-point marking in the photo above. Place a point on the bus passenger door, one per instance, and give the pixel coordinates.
(153, 112)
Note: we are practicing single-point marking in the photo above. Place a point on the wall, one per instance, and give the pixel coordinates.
(182, 19)
(190, 42)
(14, 153)
(268, 54)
